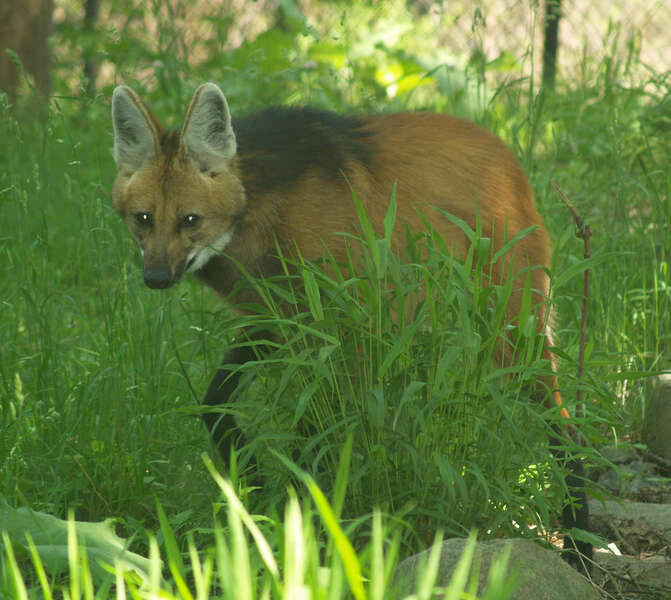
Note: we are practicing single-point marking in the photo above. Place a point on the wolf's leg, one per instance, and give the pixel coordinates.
(222, 426)
(577, 553)
(575, 514)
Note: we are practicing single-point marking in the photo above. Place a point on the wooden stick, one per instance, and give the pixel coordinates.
(584, 232)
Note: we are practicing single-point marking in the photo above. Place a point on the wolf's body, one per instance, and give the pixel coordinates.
(219, 193)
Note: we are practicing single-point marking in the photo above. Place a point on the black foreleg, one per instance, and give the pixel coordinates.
(577, 553)
(222, 426)
(576, 513)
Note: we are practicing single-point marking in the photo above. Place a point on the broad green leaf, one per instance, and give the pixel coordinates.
(49, 537)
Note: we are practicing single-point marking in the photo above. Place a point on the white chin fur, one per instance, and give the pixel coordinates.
(203, 255)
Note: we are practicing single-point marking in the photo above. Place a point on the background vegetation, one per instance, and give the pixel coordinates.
(100, 377)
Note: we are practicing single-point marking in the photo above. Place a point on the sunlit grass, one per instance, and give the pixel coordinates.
(240, 561)
(400, 356)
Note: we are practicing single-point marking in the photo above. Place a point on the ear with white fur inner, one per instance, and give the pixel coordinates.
(135, 136)
(207, 135)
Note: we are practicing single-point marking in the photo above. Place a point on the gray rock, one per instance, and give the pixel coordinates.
(634, 526)
(657, 425)
(610, 480)
(635, 480)
(619, 455)
(625, 576)
(541, 573)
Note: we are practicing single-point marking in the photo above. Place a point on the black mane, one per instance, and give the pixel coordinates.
(277, 145)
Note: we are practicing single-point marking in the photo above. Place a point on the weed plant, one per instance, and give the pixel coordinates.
(404, 355)
(241, 562)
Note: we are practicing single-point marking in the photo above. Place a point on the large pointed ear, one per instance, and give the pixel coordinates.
(207, 135)
(136, 132)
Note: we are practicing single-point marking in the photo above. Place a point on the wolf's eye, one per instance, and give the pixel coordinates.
(206, 171)
(144, 219)
(190, 220)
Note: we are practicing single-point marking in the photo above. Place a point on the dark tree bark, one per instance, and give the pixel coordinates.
(552, 16)
(91, 9)
(25, 26)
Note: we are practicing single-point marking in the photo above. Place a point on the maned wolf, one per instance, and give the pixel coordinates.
(220, 193)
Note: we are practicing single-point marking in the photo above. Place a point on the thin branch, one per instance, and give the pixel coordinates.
(584, 232)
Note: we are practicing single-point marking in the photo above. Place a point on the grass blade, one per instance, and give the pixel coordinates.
(239, 509)
(15, 573)
(343, 546)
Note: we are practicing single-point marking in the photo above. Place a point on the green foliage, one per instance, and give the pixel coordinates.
(45, 535)
(337, 55)
(229, 566)
(80, 426)
(400, 355)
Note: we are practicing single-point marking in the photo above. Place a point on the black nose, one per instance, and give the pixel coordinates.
(158, 278)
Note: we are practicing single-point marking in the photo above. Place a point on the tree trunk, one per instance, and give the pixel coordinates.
(91, 9)
(25, 26)
(552, 16)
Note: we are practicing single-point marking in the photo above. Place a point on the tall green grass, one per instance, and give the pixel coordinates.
(243, 560)
(92, 394)
(401, 354)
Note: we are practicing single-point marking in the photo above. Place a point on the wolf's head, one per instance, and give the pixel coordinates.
(179, 193)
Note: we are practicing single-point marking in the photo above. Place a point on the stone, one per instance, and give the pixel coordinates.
(541, 573)
(625, 576)
(635, 527)
(619, 455)
(657, 423)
